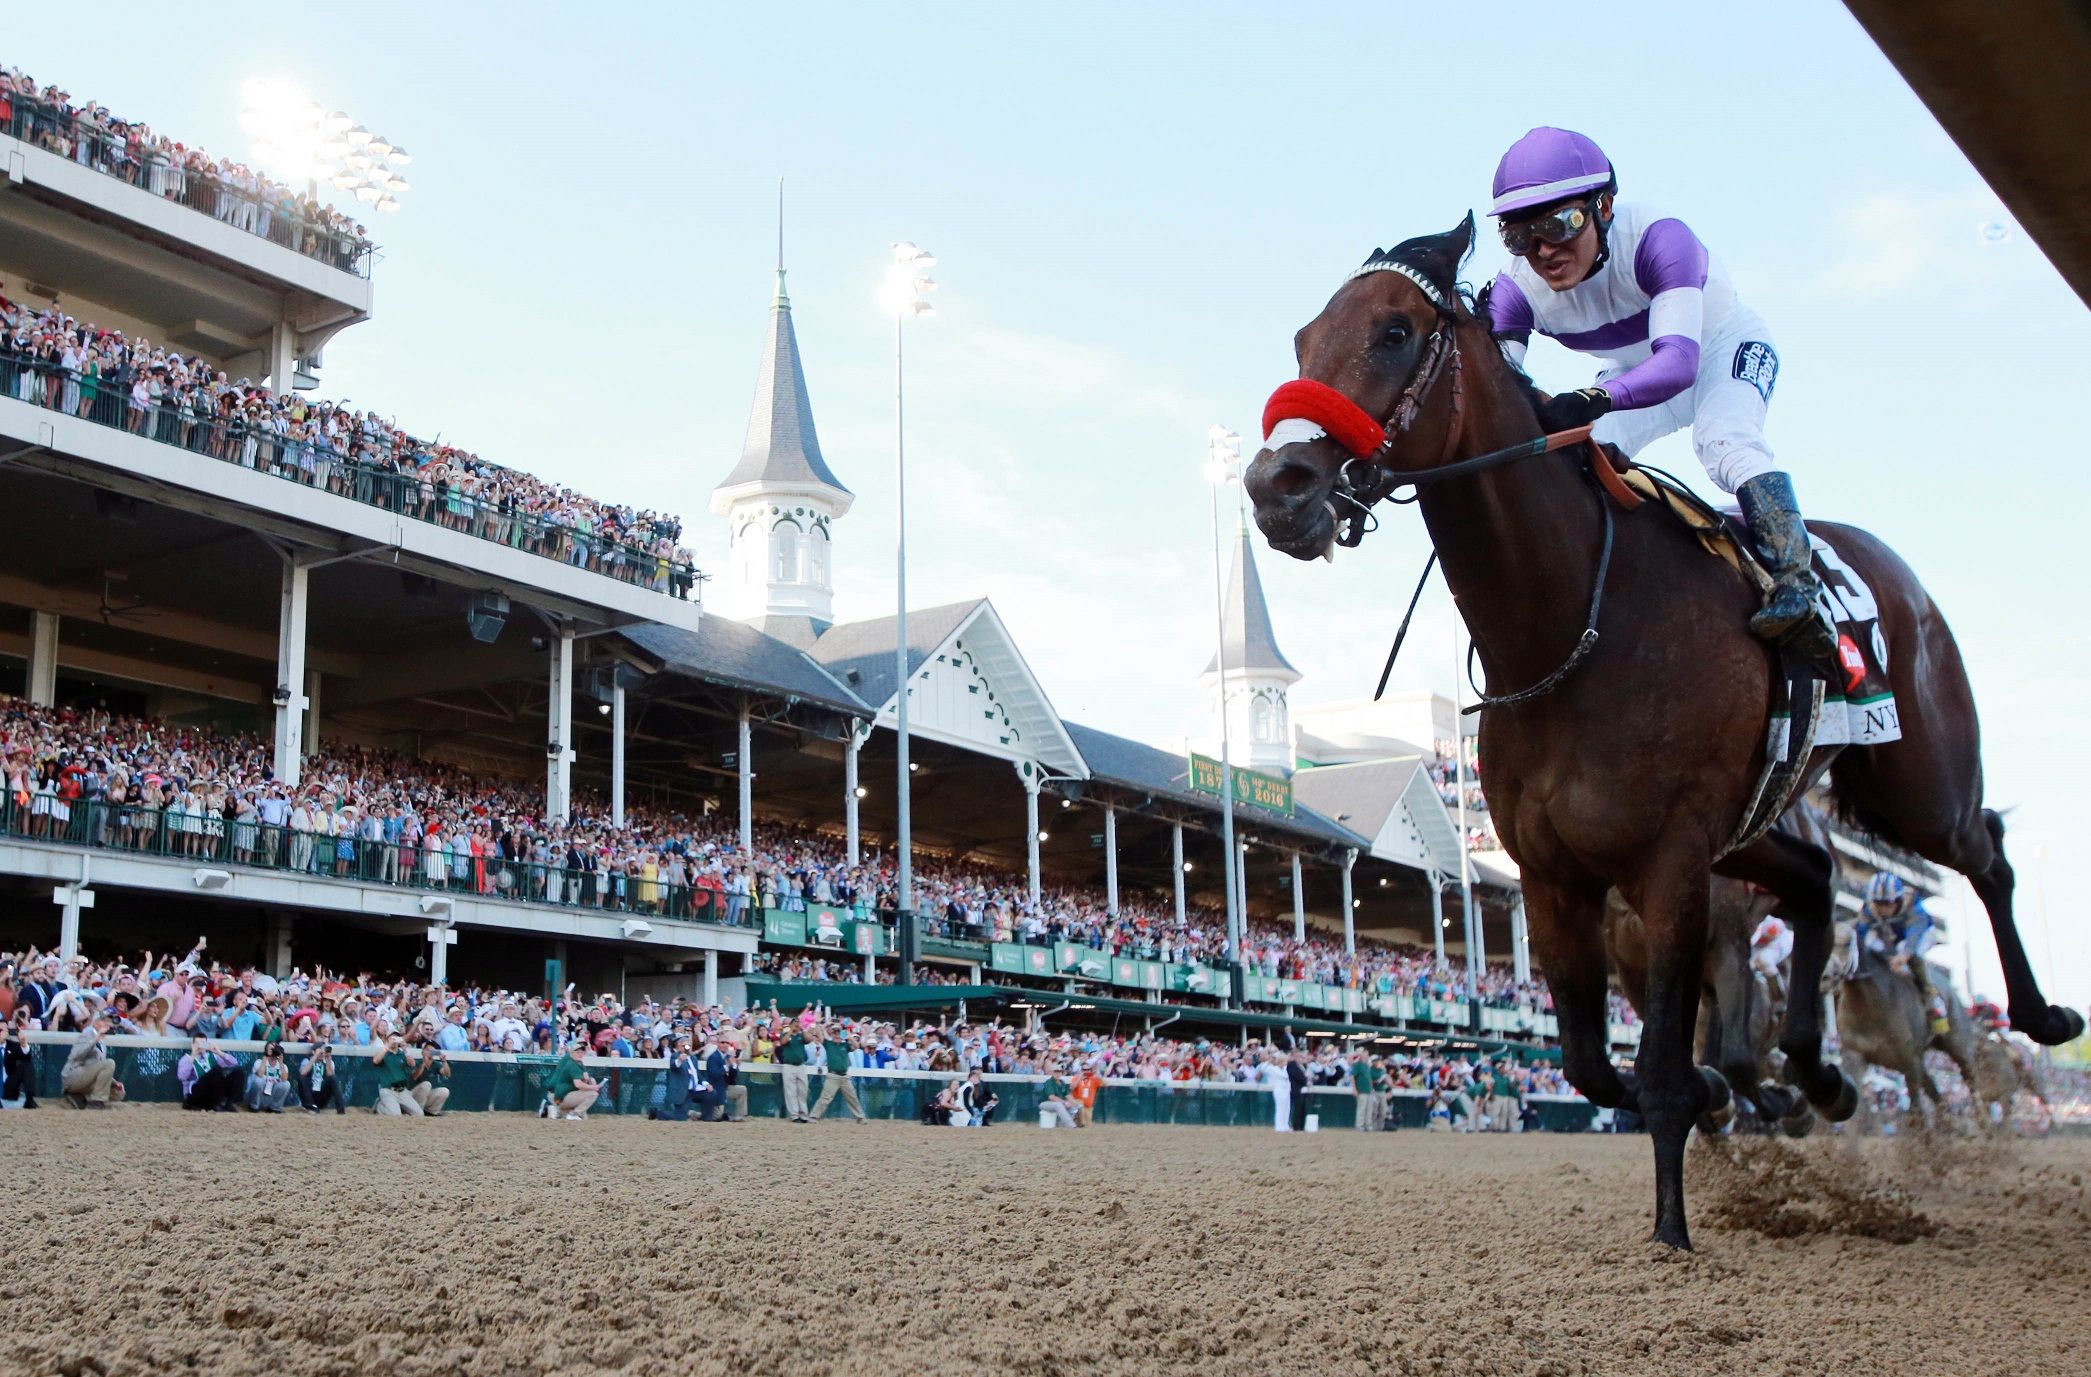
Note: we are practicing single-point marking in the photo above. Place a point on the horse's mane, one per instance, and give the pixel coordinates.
(1474, 305)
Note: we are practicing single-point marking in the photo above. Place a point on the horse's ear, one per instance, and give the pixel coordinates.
(1461, 238)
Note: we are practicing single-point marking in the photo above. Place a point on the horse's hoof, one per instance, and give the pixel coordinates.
(1774, 1102)
(1719, 1098)
(1843, 1104)
(1798, 1124)
(1672, 1236)
(2059, 1026)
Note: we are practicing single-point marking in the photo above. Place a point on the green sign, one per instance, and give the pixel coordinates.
(1251, 787)
(867, 938)
(1087, 962)
(783, 927)
(1006, 956)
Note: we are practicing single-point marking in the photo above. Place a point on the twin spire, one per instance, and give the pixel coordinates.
(781, 447)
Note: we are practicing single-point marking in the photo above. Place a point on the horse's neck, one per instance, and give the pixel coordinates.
(1519, 543)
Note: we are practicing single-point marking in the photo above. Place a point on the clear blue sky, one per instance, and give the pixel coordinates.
(1135, 206)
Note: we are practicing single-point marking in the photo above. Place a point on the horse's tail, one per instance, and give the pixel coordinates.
(1845, 803)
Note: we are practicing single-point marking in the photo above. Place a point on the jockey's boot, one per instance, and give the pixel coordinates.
(1788, 614)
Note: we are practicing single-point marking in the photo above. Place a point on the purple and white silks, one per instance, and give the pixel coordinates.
(1649, 321)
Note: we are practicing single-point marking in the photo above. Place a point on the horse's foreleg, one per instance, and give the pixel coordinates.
(1735, 999)
(1565, 927)
(1799, 873)
(1671, 898)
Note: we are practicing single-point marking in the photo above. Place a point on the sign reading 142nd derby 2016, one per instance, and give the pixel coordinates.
(1252, 787)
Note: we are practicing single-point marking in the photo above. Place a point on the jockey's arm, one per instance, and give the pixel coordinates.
(1510, 319)
(1670, 266)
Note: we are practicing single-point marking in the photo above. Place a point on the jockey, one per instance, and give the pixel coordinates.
(1641, 292)
(1770, 946)
(1988, 1017)
(1901, 927)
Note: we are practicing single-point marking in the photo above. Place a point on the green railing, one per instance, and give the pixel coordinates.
(493, 1081)
(198, 838)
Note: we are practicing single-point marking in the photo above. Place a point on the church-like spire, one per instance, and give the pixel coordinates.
(781, 447)
(1249, 644)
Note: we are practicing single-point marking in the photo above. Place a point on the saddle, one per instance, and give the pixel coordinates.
(1798, 685)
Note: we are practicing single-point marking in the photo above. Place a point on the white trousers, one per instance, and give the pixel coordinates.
(1724, 407)
(1281, 1108)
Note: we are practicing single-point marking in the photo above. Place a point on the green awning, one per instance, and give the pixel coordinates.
(869, 999)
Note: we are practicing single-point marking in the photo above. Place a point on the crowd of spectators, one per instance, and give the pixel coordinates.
(87, 775)
(407, 1030)
(238, 195)
(51, 359)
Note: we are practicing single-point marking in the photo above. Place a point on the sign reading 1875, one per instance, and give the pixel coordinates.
(1252, 787)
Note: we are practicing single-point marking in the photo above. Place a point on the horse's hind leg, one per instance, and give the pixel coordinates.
(2031, 1014)
(1671, 897)
(1799, 873)
(1925, 792)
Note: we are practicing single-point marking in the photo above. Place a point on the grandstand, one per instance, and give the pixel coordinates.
(379, 704)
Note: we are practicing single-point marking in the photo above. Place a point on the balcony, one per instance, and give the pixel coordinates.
(394, 501)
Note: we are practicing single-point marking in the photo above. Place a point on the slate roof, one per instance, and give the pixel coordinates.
(866, 648)
(781, 446)
(731, 653)
(1136, 765)
(1363, 795)
(1249, 642)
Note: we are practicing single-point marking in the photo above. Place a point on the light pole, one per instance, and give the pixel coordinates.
(1223, 457)
(905, 284)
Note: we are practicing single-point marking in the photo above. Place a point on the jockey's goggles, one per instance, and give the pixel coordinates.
(1557, 226)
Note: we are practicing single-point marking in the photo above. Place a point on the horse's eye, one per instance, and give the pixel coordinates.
(1395, 335)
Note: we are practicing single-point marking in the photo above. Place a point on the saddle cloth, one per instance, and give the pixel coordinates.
(1858, 707)
(1853, 708)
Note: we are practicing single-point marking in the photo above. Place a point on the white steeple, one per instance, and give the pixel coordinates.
(1257, 717)
(781, 500)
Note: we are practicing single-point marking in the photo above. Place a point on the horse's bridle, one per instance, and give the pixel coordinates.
(1376, 481)
(1340, 417)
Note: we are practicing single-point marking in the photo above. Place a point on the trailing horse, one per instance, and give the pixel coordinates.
(1634, 746)
(1739, 1016)
(1884, 1020)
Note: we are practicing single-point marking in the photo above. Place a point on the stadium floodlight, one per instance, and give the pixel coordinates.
(400, 157)
(300, 139)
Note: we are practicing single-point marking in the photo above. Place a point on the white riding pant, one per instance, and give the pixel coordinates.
(1724, 407)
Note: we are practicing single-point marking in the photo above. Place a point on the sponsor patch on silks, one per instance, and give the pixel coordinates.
(1757, 364)
(1858, 709)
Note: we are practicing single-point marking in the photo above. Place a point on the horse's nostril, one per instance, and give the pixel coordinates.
(1293, 479)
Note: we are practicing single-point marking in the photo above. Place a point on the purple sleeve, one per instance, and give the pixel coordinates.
(1670, 256)
(1666, 372)
(1670, 259)
(1509, 313)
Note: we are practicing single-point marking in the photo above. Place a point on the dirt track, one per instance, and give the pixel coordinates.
(499, 1244)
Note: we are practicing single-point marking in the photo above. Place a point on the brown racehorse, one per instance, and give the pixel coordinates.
(1634, 762)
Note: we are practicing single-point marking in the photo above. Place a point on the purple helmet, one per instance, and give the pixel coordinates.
(1548, 165)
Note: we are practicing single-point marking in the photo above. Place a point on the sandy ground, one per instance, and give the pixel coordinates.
(148, 1241)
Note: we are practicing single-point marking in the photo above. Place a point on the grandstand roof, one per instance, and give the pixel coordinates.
(860, 654)
(1364, 796)
(2006, 80)
(1136, 765)
(1249, 642)
(781, 447)
(735, 655)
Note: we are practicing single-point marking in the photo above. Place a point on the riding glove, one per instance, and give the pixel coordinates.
(1567, 410)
